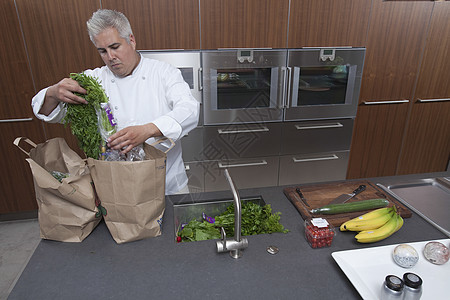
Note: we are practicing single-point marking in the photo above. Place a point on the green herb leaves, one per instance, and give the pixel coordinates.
(256, 219)
(82, 118)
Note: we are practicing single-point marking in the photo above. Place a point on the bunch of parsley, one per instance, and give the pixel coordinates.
(256, 219)
(82, 118)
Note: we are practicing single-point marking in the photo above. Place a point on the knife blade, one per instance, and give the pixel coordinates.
(345, 197)
(302, 197)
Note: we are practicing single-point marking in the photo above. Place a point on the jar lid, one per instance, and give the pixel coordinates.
(394, 283)
(412, 280)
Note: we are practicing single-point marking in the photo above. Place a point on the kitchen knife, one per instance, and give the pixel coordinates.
(345, 197)
(301, 196)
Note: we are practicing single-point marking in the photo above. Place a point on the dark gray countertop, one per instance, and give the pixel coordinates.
(98, 268)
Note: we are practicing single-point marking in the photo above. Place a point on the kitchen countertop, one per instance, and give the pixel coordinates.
(153, 268)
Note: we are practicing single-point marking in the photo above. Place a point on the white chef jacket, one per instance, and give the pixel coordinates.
(154, 93)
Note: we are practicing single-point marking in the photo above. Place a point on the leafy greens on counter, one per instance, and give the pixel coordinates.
(256, 219)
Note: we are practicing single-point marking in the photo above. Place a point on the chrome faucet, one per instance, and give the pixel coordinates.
(236, 245)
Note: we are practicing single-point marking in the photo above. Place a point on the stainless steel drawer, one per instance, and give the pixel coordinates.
(196, 176)
(316, 136)
(192, 145)
(241, 141)
(246, 173)
(299, 169)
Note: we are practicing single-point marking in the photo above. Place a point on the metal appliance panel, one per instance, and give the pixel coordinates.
(243, 85)
(195, 171)
(323, 87)
(192, 145)
(246, 173)
(188, 62)
(316, 136)
(241, 140)
(309, 168)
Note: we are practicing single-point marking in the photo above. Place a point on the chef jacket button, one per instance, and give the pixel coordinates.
(143, 77)
(112, 80)
(116, 107)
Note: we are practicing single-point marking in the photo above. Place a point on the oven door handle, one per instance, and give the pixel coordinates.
(200, 79)
(298, 160)
(286, 90)
(262, 129)
(249, 164)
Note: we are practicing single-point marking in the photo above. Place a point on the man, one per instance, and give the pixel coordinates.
(149, 98)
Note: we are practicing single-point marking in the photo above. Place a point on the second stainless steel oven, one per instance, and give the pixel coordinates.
(243, 85)
(323, 83)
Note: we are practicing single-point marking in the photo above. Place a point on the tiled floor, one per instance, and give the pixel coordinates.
(18, 240)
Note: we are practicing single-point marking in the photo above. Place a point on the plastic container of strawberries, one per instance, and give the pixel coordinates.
(319, 232)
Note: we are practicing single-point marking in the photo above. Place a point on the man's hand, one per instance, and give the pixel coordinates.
(63, 91)
(130, 137)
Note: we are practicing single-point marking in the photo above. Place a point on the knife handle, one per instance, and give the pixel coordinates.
(360, 188)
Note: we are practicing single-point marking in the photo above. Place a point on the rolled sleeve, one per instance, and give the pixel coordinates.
(36, 103)
(169, 127)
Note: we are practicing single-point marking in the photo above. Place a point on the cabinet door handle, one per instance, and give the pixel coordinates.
(262, 129)
(250, 164)
(187, 167)
(16, 120)
(319, 126)
(385, 102)
(297, 160)
(433, 100)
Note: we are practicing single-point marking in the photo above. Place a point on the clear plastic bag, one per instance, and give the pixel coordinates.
(107, 125)
(135, 154)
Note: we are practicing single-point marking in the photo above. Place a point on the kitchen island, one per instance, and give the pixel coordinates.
(160, 268)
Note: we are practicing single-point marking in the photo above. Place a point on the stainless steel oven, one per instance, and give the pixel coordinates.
(243, 85)
(323, 83)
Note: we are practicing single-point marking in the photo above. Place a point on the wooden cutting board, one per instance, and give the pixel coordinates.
(322, 194)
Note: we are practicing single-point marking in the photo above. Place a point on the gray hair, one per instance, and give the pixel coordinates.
(105, 18)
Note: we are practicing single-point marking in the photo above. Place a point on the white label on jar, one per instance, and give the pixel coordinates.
(319, 222)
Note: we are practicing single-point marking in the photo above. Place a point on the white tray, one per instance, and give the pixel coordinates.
(367, 269)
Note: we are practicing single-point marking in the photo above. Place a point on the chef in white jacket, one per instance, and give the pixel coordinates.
(149, 98)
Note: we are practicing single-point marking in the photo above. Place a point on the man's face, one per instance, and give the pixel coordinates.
(120, 56)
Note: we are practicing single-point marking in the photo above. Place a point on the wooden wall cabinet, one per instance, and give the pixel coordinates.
(58, 46)
(324, 23)
(396, 39)
(244, 23)
(161, 24)
(16, 118)
(426, 145)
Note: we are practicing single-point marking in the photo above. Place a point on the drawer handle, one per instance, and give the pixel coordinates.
(385, 102)
(16, 120)
(262, 129)
(433, 100)
(297, 160)
(329, 125)
(187, 168)
(225, 165)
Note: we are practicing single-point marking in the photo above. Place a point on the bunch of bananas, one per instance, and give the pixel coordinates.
(376, 225)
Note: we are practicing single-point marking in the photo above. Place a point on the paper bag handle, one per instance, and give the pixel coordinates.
(18, 140)
(159, 141)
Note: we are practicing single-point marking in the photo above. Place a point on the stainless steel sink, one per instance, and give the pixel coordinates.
(429, 198)
(184, 213)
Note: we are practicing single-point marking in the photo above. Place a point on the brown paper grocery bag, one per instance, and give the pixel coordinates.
(67, 209)
(132, 194)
